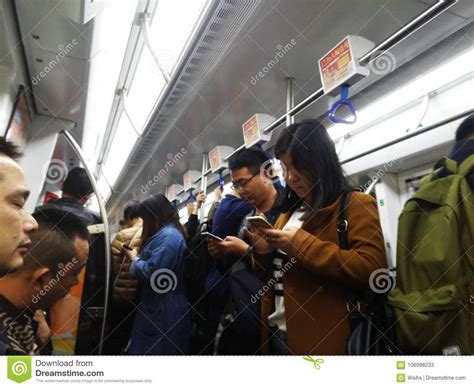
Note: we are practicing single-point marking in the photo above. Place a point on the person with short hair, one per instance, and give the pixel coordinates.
(76, 192)
(464, 146)
(15, 222)
(247, 171)
(124, 285)
(52, 266)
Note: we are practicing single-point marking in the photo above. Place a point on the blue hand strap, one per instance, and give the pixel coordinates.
(191, 197)
(221, 181)
(343, 100)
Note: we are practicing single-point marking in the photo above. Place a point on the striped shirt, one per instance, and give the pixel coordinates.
(277, 317)
(17, 330)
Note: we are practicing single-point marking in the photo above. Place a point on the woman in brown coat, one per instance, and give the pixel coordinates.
(307, 274)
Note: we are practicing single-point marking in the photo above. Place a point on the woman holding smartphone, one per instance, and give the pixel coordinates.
(162, 325)
(305, 311)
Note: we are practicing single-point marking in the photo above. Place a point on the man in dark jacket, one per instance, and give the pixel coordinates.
(76, 192)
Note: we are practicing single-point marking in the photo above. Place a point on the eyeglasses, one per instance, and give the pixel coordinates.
(243, 182)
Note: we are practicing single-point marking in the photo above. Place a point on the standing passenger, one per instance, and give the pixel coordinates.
(124, 286)
(304, 312)
(161, 325)
(76, 192)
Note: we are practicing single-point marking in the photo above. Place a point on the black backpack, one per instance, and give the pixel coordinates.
(198, 263)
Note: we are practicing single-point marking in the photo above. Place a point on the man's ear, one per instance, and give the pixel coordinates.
(86, 198)
(41, 277)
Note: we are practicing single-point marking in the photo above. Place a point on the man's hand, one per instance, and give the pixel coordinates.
(234, 246)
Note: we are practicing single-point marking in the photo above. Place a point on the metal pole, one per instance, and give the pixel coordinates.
(103, 214)
(411, 135)
(205, 160)
(290, 100)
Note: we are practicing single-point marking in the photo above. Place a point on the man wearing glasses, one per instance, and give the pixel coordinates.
(239, 327)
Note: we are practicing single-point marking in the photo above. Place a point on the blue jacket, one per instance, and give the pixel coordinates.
(162, 324)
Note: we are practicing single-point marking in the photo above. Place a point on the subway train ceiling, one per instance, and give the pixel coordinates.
(235, 65)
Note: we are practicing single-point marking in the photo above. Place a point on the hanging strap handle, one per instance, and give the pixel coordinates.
(343, 100)
(191, 197)
(221, 181)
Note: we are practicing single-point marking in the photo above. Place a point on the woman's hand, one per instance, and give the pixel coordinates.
(279, 239)
(129, 254)
(260, 245)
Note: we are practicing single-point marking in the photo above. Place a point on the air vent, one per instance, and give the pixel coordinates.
(226, 20)
(215, 27)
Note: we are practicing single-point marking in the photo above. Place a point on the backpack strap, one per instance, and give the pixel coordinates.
(352, 301)
(450, 165)
(467, 166)
(343, 224)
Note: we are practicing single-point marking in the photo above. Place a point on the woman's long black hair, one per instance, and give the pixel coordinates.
(313, 153)
(156, 212)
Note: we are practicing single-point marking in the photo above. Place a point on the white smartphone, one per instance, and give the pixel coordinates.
(259, 222)
(213, 236)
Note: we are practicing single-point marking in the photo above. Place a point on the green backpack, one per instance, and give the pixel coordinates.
(433, 301)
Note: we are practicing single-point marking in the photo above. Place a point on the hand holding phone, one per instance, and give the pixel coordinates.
(259, 222)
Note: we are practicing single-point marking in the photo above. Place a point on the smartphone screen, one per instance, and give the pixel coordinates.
(259, 222)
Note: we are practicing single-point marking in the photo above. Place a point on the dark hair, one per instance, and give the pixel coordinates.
(465, 129)
(122, 222)
(9, 149)
(53, 241)
(251, 158)
(313, 153)
(68, 223)
(131, 211)
(156, 212)
(77, 183)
